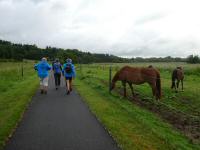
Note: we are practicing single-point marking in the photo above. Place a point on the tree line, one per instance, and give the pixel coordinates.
(9, 50)
(193, 59)
(18, 52)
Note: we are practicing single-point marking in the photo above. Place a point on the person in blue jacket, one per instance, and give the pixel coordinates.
(69, 74)
(57, 68)
(42, 68)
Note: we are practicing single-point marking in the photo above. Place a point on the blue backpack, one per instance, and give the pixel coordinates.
(68, 68)
(57, 67)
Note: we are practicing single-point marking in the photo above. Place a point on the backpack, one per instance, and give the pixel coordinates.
(68, 68)
(57, 67)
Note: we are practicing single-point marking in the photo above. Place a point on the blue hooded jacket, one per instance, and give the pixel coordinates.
(72, 73)
(42, 67)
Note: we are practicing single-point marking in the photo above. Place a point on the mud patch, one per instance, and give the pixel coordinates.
(189, 125)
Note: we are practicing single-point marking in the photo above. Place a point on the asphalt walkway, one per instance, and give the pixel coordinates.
(57, 121)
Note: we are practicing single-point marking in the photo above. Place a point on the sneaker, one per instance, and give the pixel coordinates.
(41, 91)
(56, 88)
(68, 92)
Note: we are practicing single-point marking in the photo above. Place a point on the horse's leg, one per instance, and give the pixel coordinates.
(154, 91)
(131, 86)
(173, 84)
(124, 85)
(177, 85)
(182, 84)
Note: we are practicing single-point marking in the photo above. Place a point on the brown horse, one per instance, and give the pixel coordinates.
(177, 75)
(133, 75)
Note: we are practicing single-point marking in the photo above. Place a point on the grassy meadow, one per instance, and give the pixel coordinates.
(132, 126)
(135, 127)
(15, 94)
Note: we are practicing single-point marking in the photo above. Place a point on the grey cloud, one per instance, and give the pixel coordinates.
(38, 1)
(158, 48)
(54, 23)
(150, 18)
(34, 1)
(58, 6)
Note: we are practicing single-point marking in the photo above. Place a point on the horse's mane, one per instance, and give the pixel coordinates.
(115, 78)
(150, 66)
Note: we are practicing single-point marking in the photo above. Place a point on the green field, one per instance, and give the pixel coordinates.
(132, 126)
(136, 127)
(15, 94)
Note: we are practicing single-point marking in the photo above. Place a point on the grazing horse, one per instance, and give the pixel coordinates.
(134, 75)
(177, 75)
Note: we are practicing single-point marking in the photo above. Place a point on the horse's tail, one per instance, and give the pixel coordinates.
(173, 83)
(158, 86)
(174, 76)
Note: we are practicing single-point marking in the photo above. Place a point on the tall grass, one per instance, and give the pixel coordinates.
(15, 93)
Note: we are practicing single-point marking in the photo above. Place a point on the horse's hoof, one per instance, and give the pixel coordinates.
(136, 94)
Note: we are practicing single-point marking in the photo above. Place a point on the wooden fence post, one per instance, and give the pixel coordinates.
(80, 66)
(81, 69)
(22, 69)
(110, 76)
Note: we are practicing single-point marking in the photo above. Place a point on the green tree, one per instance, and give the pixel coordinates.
(193, 59)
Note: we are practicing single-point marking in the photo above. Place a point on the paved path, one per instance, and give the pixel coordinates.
(57, 121)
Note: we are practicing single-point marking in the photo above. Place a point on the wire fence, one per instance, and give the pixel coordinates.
(106, 70)
(104, 74)
(17, 70)
(191, 87)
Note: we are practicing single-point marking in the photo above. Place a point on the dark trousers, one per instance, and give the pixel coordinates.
(57, 78)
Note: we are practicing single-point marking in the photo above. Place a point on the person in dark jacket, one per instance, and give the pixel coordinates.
(69, 74)
(57, 69)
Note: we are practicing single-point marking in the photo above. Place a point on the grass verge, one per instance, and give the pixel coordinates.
(15, 95)
(131, 126)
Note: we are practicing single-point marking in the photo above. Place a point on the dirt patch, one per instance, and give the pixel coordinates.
(187, 124)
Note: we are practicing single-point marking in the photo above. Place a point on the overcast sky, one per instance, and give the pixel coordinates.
(126, 28)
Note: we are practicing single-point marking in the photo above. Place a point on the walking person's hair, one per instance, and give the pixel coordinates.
(68, 60)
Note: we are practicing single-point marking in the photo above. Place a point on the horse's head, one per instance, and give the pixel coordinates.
(179, 67)
(150, 66)
(114, 80)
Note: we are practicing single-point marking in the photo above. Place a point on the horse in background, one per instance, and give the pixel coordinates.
(177, 76)
(136, 75)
